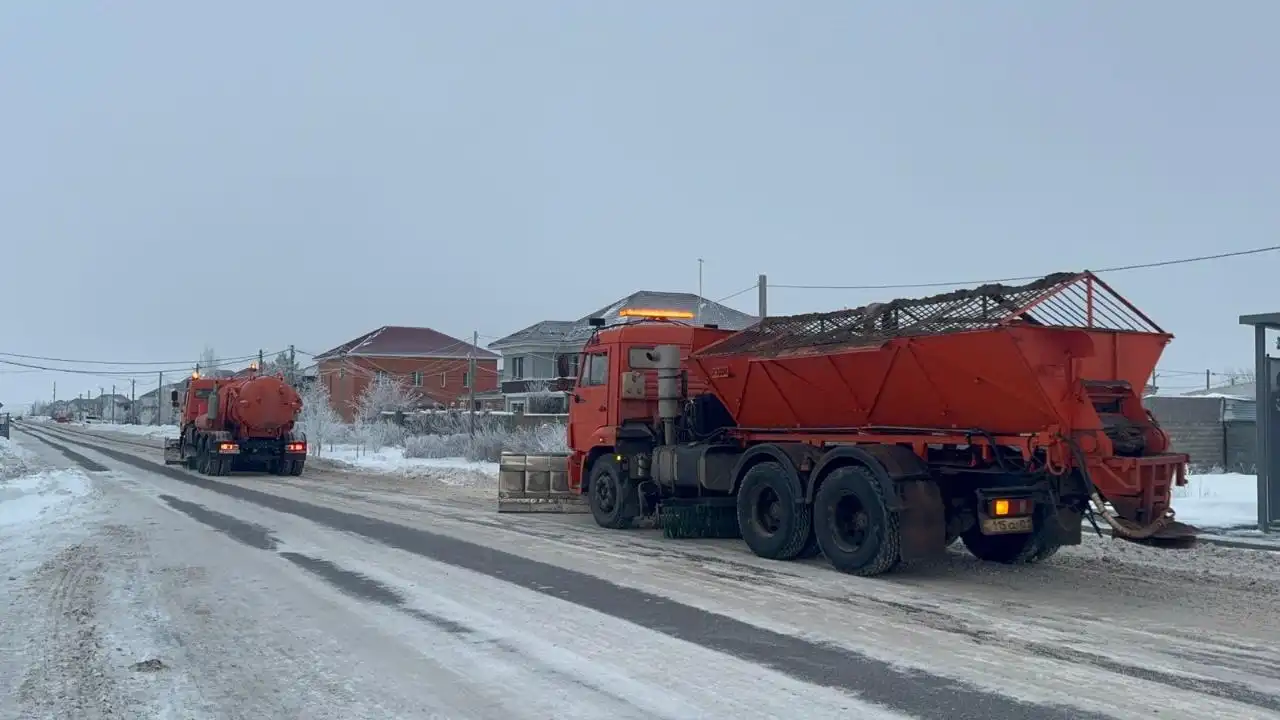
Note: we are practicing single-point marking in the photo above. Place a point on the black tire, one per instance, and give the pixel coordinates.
(614, 500)
(811, 549)
(295, 468)
(203, 459)
(773, 524)
(856, 530)
(1038, 545)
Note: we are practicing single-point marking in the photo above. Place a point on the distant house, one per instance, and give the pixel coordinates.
(537, 358)
(433, 364)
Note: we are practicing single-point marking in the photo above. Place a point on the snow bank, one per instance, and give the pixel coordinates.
(156, 431)
(1218, 501)
(29, 499)
(392, 460)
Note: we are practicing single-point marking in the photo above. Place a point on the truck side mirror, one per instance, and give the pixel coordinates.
(173, 397)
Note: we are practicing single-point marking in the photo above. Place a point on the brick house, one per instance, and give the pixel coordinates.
(433, 364)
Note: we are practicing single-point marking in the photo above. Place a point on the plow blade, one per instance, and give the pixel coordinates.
(536, 483)
(172, 452)
(1175, 535)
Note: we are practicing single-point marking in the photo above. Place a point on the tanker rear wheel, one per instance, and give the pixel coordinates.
(773, 523)
(854, 526)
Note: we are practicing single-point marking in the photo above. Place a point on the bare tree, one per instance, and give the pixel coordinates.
(1240, 376)
(208, 359)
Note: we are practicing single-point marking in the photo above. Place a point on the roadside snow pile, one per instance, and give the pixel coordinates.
(1218, 501)
(29, 498)
(393, 460)
(156, 431)
(489, 443)
(15, 460)
(34, 501)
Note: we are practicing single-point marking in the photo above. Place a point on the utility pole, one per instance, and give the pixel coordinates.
(293, 363)
(1207, 375)
(113, 404)
(55, 391)
(697, 316)
(159, 398)
(133, 397)
(762, 283)
(471, 380)
(260, 365)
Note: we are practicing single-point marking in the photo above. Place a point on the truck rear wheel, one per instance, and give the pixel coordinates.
(1026, 548)
(773, 524)
(854, 526)
(614, 500)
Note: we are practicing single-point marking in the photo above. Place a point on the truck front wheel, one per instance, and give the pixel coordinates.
(854, 526)
(615, 501)
(774, 525)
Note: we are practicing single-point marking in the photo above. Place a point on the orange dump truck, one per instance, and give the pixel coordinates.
(1002, 416)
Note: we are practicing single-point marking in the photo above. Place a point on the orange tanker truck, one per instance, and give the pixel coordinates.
(1000, 416)
(241, 423)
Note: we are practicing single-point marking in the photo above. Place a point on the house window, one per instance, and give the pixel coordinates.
(597, 369)
(567, 365)
(517, 407)
(517, 368)
(444, 379)
(381, 375)
(466, 379)
(417, 378)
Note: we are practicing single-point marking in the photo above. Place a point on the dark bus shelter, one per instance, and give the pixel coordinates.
(1266, 372)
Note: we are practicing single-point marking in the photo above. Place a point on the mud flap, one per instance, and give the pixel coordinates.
(537, 483)
(173, 452)
(922, 523)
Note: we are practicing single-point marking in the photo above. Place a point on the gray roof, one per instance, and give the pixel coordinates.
(1243, 390)
(577, 331)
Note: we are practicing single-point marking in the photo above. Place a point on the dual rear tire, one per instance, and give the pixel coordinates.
(849, 521)
(851, 524)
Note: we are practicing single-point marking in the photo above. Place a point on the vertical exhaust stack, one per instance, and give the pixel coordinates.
(666, 360)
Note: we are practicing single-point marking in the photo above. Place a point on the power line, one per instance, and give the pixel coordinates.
(122, 362)
(746, 289)
(1021, 278)
(123, 373)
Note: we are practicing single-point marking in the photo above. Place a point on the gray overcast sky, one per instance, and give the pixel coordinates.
(254, 174)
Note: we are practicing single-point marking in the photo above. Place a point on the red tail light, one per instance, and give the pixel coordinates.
(295, 447)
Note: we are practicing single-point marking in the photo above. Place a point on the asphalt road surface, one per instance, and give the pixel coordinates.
(143, 591)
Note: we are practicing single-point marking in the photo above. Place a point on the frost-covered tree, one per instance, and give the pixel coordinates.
(385, 394)
(282, 365)
(208, 359)
(318, 419)
(542, 399)
(1240, 376)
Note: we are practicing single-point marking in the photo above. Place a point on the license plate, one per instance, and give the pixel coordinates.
(1003, 526)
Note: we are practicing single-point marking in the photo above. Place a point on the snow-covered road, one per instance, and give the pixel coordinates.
(150, 592)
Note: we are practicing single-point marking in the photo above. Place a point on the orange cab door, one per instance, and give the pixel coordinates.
(589, 403)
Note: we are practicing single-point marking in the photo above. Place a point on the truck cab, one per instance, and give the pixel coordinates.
(615, 399)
